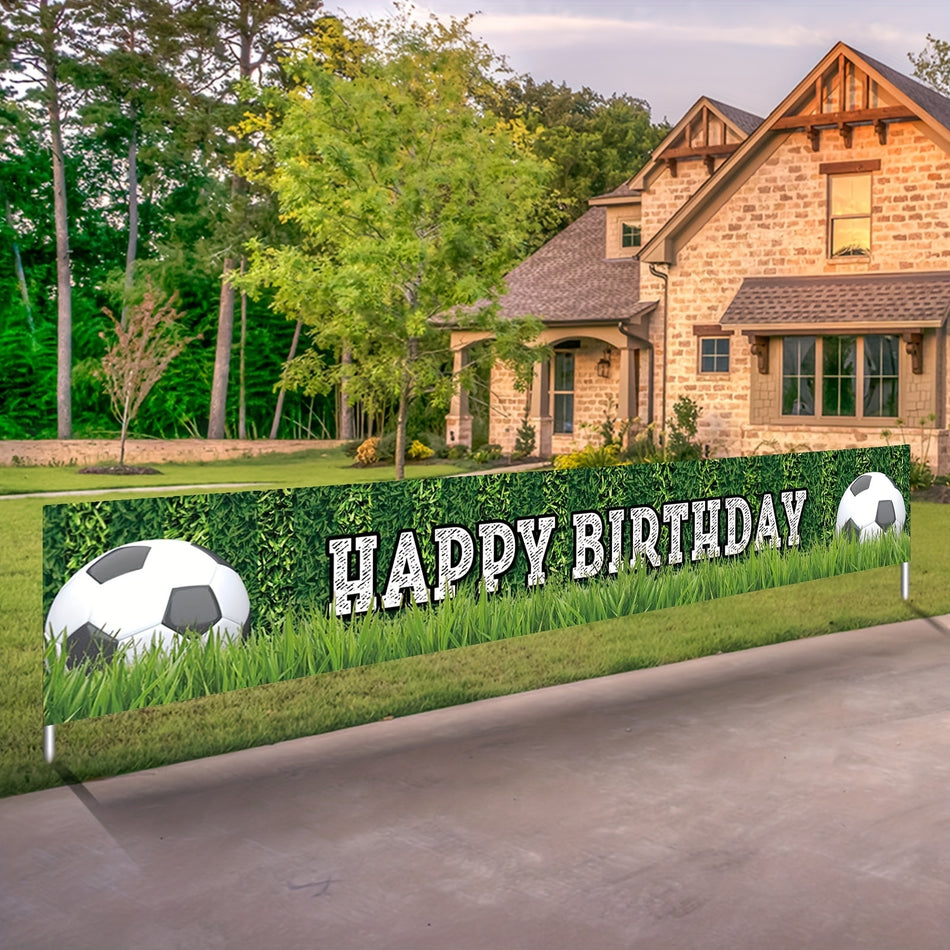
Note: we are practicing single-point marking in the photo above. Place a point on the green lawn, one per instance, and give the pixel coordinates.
(315, 467)
(245, 718)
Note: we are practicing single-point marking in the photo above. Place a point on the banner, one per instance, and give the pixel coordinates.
(156, 600)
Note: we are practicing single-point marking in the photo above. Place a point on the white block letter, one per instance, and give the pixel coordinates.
(406, 573)
(536, 537)
(352, 594)
(588, 547)
(449, 572)
(498, 551)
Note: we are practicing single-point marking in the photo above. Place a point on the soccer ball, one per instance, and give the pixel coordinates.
(147, 593)
(870, 506)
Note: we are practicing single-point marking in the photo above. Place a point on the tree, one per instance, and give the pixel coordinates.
(39, 30)
(932, 64)
(411, 203)
(249, 35)
(138, 357)
(594, 143)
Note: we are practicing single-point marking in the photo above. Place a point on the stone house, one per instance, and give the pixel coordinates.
(790, 274)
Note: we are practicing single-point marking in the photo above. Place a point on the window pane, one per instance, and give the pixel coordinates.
(563, 412)
(631, 235)
(714, 355)
(839, 374)
(563, 372)
(850, 194)
(798, 376)
(881, 375)
(850, 236)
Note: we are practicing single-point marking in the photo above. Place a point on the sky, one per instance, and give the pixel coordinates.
(747, 53)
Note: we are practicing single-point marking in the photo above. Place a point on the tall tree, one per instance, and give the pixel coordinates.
(134, 92)
(411, 203)
(594, 142)
(249, 36)
(40, 31)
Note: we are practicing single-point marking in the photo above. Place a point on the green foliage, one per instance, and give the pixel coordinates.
(932, 64)
(525, 439)
(591, 456)
(410, 203)
(593, 142)
(681, 431)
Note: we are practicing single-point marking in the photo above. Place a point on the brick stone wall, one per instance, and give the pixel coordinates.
(775, 225)
(146, 451)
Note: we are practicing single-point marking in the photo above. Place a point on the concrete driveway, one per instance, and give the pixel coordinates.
(791, 796)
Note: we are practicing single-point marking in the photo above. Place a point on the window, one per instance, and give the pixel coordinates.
(849, 215)
(630, 235)
(856, 377)
(714, 355)
(798, 376)
(880, 375)
(564, 392)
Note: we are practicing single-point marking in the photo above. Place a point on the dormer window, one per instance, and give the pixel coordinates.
(849, 215)
(630, 235)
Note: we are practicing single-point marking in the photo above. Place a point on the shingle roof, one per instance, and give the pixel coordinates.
(928, 99)
(886, 299)
(746, 121)
(569, 280)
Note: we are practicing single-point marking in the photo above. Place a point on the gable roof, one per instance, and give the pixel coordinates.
(744, 121)
(885, 300)
(926, 104)
(569, 281)
(740, 122)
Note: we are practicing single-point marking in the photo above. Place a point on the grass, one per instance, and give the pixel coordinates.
(313, 467)
(228, 721)
(318, 643)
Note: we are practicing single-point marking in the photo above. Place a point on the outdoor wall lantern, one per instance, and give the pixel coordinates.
(603, 365)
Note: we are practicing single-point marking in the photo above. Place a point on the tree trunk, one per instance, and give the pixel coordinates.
(401, 429)
(279, 408)
(405, 394)
(132, 248)
(20, 275)
(242, 404)
(346, 428)
(64, 346)
(222, 355)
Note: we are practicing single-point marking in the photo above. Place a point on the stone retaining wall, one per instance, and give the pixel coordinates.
(147, 451)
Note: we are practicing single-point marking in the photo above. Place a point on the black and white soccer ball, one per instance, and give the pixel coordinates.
(870, 506)
(144, 594)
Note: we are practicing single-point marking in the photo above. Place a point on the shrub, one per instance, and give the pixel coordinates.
(351, 447)
(417, 451)
(457, 452)
(591, 456)
(487, 453)
(681, 431)
(368, 452)
(524, 440)
(436, 442)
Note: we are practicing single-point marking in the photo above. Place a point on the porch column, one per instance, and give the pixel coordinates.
(628, 401)
(458, 422)
(540, 414)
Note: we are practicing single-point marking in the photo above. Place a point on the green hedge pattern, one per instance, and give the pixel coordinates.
(276, 539)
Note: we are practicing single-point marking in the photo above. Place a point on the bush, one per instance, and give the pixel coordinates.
(591, 456)
(524, 441)
(436, 442)
(487, 453)
(387, 447)
(368, 452)
(352, 447)
(417, 451)
(681, 431)
(455, 452)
